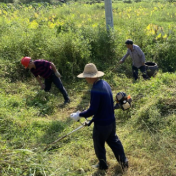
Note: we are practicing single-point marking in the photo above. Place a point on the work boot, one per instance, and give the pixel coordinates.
(124, 165)
(101, 165)
(67, 101)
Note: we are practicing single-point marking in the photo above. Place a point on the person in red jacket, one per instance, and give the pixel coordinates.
(48, 71)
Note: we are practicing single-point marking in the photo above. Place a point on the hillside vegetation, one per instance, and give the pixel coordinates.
(80, 1)
(71, 36)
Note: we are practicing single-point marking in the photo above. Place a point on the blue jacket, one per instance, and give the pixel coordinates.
(101, 104)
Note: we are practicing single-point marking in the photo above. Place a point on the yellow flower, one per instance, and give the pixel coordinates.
(36, 15)
(4, 12)
(159, 36)
(30, 7)
(89, 19)
(165, 36)
(152, 29)
(51, 25)
(94, 25)
(33, 25)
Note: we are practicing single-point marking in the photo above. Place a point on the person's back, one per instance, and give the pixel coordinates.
(101, 104)
(137, 56)
(42, 68)
(104, 100)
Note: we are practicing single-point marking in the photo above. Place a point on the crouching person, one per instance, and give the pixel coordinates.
(102, 110)
(46, 70)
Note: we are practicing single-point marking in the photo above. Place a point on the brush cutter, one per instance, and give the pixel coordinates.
(86, 123)
(123, 101)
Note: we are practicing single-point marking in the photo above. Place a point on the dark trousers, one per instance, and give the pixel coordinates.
(57, 81)
(102, 134)
(143, 71)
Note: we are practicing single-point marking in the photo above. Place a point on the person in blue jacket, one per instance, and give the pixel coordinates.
(102, 110)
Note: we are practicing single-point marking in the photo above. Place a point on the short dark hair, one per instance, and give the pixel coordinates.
(129, 42)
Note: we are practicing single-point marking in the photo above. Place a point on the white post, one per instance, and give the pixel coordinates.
(108, 14)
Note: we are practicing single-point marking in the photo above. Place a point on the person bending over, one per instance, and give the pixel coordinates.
(48, 71)
(138, 59)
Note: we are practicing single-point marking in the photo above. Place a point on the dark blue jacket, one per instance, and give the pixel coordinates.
(101, 104)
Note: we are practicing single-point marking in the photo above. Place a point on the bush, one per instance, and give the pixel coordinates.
(127, 1)
(165, 55)
(70, 37)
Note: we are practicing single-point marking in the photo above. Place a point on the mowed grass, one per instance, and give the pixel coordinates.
(147, 130)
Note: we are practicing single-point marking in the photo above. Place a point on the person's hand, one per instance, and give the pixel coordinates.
(42, 86)
(75, 116)
(120, 62)
(57, 74)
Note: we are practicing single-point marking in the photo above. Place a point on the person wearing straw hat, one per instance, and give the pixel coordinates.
(102, 110)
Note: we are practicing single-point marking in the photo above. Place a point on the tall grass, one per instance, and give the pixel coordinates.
(72, 35)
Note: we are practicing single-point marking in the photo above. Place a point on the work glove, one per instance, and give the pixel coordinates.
(57, 74)
(75, 116)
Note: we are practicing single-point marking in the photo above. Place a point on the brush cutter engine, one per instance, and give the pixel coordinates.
(123, 101)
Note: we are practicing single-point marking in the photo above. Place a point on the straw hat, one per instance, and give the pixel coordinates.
(90, 71)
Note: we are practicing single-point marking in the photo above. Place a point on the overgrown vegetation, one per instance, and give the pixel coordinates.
(72, 35)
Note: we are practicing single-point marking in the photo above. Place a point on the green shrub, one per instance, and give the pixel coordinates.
(70, 37)
(166, 55)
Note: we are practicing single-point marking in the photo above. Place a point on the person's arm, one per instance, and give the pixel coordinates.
(40, 82)
(124, 57)
(94, 105)
(141, 55)
(55, 70)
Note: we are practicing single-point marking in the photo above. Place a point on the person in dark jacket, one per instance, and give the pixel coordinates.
(102, 110)
(48, 71)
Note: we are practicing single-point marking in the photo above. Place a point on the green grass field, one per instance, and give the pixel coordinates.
(71, 36)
